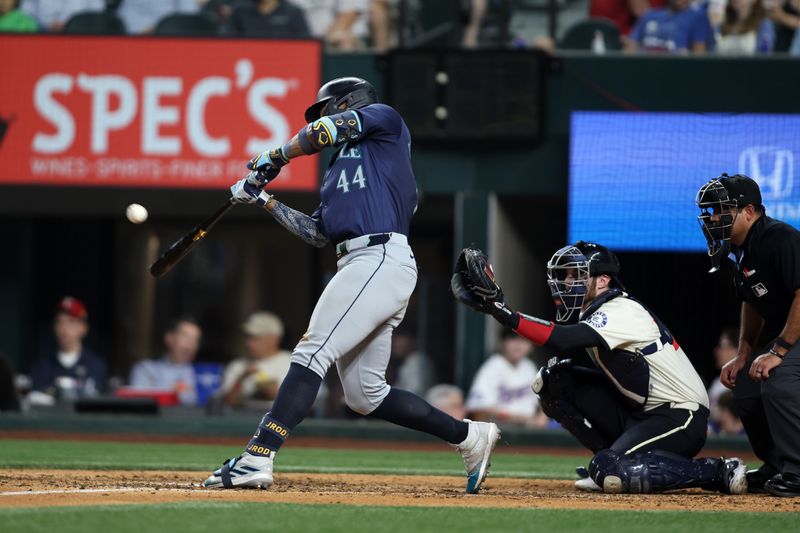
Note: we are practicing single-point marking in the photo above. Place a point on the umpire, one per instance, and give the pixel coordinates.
(765, 375)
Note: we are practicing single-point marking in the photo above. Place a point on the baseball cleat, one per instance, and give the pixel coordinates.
(586, 483)
(477, 452)
(734, 476)
(245, 471)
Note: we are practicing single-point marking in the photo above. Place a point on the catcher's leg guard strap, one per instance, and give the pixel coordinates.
(654, 471)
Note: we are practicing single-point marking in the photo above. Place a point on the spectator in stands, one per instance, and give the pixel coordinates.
(501, 389)
(380, 22)
(276, 19)
(12, 19)
(476, 13)
(726, 421)
(53, 14)
(174, 371)
(677, 28)
(410, 369)
(9, 399)
(342, 24)
(259, 375)
(73, 371)
(447, 398)
(142, 16)
(785, 14)
(726, 349)
(745, 29)
(623, 13)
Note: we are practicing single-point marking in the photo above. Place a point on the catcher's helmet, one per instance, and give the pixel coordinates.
(569, 270)
(719, 200)
(355, 92)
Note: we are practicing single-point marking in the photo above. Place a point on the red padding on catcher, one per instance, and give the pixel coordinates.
(537, 332)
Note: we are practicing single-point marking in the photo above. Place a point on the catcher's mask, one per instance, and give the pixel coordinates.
(569, 270)
(718, 212)
(567, 276)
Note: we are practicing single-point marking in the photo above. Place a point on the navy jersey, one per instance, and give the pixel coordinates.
(369, 186)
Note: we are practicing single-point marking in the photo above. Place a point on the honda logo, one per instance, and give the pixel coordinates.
(771, 167)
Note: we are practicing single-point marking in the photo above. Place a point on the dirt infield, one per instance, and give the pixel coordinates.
(42, 488)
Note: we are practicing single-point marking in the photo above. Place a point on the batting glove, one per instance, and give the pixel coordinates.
(248, 191)
(269, 159)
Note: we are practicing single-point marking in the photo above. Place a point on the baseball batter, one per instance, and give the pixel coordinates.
(368, 197)
(643, 410)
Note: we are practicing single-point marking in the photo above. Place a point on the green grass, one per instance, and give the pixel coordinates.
(142, 456)
(287, 518)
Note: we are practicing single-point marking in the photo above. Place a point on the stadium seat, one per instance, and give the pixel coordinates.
(95, 22)
(184, 24)
(581, 35)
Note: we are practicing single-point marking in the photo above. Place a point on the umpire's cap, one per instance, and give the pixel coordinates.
(601, 260)
(355, 92)
(743, 189)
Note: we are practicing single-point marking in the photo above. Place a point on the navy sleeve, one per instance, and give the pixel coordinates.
(574, 336)
(380, 119)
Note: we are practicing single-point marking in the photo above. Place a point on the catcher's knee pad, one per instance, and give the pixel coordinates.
(554, 388)
(619, 474)
(653, 471)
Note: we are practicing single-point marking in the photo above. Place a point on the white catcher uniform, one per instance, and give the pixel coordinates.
(667, 377)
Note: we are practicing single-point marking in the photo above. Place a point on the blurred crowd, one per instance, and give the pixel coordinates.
(500, 391)
(726, 27)
(72, 372)
(343, 25)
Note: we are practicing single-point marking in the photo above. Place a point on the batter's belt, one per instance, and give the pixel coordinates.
(356, 243)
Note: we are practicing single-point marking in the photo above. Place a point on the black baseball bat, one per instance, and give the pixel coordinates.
(185, 244)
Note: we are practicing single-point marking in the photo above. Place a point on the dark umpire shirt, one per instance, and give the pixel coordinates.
(768, 272)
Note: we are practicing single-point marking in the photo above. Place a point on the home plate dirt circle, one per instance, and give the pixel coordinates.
(43, 488)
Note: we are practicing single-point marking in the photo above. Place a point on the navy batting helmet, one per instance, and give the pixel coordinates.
(354, 92)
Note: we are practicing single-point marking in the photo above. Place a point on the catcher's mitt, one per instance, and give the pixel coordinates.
(473, 282)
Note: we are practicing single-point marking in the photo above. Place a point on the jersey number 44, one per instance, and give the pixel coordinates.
(357, 181)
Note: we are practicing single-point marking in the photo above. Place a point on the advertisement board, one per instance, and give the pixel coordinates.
(151, 112)
(634, 176)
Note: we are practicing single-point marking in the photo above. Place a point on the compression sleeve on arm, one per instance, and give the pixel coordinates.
(557, 336)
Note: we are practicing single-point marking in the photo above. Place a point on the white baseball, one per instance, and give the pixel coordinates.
(136, 213)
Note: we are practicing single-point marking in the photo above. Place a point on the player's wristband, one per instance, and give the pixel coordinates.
(783, 344)
(536, 330)
(776, 354)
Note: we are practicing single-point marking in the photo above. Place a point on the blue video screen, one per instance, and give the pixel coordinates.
(634, 176)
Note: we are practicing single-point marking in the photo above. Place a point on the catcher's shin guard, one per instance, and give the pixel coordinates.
(655, 471)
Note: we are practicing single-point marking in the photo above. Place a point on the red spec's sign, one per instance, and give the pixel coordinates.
(151, 112)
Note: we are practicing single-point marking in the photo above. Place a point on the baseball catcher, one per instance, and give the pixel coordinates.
(642, 410)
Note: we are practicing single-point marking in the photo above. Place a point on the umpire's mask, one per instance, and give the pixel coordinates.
(717, 215)
(567, 276)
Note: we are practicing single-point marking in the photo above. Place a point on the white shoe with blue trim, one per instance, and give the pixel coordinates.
(246, 471)
(477, 452)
